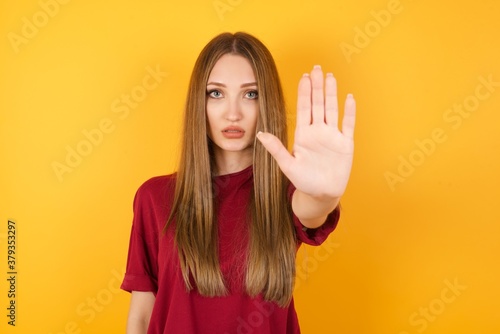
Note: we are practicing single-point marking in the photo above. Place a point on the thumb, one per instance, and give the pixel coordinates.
(276, 148)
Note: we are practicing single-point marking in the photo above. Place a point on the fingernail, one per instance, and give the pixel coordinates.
(258, 134)
(317, 67)
(350, 96)
(305, 75)
(329, 74)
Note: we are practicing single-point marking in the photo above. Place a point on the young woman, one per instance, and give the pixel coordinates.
(213, 246)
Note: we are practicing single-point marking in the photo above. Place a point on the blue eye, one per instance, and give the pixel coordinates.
(215, 94)
(252, 94)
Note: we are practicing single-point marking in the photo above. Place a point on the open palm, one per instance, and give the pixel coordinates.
(321, 160)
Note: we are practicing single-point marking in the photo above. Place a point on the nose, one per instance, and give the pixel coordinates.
(234, 112)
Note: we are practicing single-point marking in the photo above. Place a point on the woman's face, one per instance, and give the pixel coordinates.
(232, 104)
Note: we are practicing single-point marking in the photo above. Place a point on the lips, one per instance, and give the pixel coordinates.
(233, 132)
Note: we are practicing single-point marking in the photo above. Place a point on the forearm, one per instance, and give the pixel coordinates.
(141, 307)
(312, 211)
(137, 326)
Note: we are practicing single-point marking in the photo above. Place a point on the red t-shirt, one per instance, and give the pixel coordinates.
(153, 264)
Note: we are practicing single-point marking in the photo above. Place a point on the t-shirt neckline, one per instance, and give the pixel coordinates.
(244, 171)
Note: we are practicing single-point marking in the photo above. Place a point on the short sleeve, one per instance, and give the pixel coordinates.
(142, 262)
(316, 236)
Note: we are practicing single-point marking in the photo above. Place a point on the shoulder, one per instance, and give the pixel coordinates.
(156, 188)
(158, 182)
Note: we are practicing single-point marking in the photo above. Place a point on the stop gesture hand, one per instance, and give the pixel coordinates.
(322, 155)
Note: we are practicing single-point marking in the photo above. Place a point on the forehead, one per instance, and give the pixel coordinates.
(232, 69)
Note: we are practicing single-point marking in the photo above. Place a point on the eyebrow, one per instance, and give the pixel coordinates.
(249, 84)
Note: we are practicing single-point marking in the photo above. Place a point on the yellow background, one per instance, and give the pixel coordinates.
(400, 244)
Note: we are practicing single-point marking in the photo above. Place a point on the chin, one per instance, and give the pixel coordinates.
(235, 147)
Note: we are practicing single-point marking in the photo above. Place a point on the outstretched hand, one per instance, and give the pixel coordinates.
(321, 160)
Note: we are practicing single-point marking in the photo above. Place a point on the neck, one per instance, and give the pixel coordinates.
(227, 162)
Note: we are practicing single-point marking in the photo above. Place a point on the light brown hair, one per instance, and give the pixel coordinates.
(270, 267)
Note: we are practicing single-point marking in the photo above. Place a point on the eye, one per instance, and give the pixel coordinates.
(214, 93)
(253, 94)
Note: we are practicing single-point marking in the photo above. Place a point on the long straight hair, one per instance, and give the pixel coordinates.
(270, 265)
